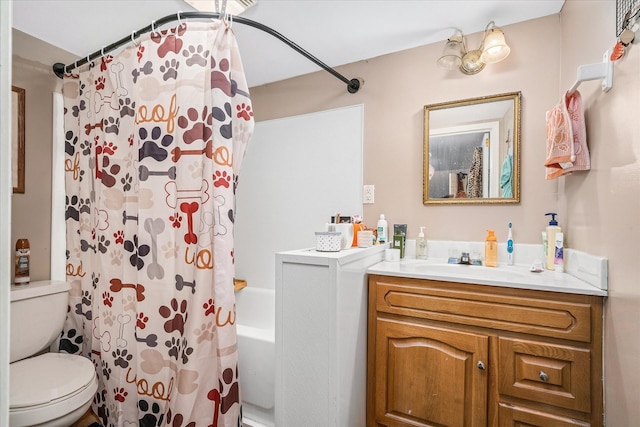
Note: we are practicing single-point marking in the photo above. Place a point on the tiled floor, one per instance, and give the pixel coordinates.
(87, 420)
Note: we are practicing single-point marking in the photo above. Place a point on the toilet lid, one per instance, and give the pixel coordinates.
(50, 376)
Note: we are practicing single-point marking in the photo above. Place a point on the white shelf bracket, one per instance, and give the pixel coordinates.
(602, 70)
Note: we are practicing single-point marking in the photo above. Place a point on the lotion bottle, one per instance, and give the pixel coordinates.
(491, 250)
(421, 245)
(551, 229)
(383, 236)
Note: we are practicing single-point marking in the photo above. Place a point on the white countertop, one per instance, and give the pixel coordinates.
(516, 276)
(344, 256)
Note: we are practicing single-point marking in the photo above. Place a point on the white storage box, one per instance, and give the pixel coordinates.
(328, 241)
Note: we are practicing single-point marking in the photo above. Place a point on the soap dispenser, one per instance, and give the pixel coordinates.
(491, 250)
(421, 245)
(552, 229)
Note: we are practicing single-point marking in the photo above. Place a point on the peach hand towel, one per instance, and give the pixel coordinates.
(560, 147)
(573, 103)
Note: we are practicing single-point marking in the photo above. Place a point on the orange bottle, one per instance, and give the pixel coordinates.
(491, 250)
(23, 255)
(357, 226)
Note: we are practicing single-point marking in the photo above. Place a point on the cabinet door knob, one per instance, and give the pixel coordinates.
(481, 365)
(543, 376)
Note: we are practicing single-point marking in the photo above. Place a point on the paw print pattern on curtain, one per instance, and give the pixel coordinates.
(155, 137)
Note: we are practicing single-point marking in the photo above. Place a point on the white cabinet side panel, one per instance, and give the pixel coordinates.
(303, 346)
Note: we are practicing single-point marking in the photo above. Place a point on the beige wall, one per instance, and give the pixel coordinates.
(599, 210)
(604, 205)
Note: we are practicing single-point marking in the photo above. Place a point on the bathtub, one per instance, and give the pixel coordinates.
(255, 325)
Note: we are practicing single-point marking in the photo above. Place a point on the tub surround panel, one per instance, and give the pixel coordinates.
(255, 326)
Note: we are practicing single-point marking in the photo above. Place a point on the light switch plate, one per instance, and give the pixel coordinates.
(368, 194)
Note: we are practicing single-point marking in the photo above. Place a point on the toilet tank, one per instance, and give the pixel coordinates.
(38, 312)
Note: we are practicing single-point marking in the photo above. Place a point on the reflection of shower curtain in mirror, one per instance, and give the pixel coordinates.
(474, 184)
(154, 141)
(448, 155)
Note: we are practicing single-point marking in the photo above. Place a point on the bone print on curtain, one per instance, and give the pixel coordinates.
(154, 141)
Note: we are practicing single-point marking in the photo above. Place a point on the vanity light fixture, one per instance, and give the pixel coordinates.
(493, 48)
(452, 54)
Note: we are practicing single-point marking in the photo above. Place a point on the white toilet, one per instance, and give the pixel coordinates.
(46, 389)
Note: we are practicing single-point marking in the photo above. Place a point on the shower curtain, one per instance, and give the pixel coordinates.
(154, 139)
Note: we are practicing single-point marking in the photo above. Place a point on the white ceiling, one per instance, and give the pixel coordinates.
(335, 31)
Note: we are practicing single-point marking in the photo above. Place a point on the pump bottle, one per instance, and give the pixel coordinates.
(552, 229)
(491, 250)
(421, 245)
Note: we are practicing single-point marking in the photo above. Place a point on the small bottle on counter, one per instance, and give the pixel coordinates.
(383, 226)
(551, 230)
(558, 261)
(398, 242)
(23, 255)
(491, 250)
(421, 245)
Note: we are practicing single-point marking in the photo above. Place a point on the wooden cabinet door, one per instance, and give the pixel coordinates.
(430, 376)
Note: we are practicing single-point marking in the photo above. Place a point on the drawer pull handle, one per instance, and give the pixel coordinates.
(481, 365)
(543, 376)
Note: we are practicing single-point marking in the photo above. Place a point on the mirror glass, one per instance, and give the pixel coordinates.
(472, 150)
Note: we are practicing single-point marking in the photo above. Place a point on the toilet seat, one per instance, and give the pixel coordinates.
(49, 386)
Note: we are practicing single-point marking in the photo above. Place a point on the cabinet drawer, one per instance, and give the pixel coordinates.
(514, 416)
(547, 373)
(530, 312)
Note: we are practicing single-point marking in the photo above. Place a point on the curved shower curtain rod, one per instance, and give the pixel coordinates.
(59, 69)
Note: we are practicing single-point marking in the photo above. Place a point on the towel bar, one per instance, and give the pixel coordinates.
(602, 70)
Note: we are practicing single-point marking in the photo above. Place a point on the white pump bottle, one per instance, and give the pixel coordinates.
(551, 229)
(421, 245)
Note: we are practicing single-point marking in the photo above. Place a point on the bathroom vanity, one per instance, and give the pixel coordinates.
(450, 346)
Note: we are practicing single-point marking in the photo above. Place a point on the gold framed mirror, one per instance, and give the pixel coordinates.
(472, 151)
(17, 138)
